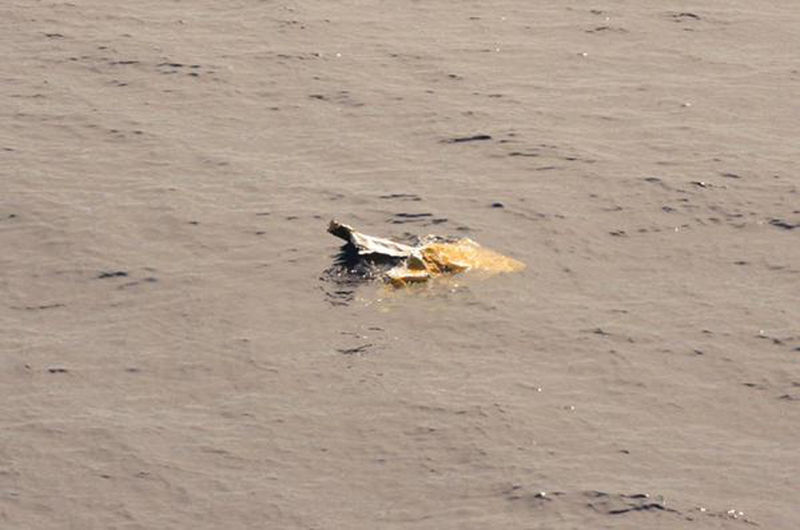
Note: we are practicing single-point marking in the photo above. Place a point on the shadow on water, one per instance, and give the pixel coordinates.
(350, 270)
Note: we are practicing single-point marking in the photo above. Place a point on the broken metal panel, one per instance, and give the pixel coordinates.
(369, 244)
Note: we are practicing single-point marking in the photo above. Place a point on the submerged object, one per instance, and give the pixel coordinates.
(430, 257)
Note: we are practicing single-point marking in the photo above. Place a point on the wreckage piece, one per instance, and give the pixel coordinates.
(433, 256)
(369, 244)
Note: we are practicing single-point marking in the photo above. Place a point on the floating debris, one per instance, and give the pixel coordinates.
(430, 257)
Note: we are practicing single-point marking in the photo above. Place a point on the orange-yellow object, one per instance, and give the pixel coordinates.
(466, 254)
(451, 258)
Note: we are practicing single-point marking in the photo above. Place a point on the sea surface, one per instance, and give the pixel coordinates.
(173, 353)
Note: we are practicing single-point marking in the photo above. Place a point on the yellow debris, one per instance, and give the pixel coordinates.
(466, 254)
(451, 258)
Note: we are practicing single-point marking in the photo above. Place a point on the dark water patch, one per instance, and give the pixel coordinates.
(149, 279)
(413, 215)
(778, 341)
(350, 270)
(786, 225)
(339, 297)
(111, 274)
(463, 139)
(341, 97)
(606, 29)
(356, 350)
(38, 307)
(614, 505)
(404, 217)
(401, 196)
(620, 503)
(685, 16)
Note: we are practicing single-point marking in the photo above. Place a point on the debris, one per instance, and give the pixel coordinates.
(369, 244)
(432, 256)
